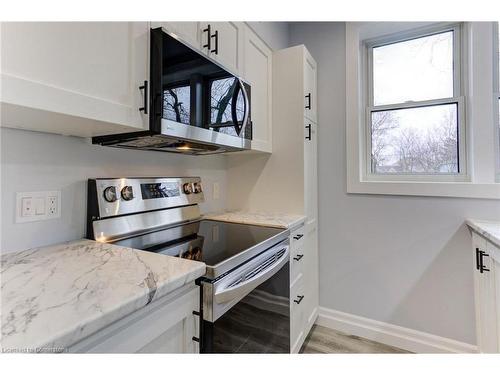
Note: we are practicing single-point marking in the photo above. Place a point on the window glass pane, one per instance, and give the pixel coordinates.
(177, 104)
(415, 140)
(413, 70)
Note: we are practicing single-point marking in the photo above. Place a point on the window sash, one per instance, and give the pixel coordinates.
(462, 174)
(457, 99)
(416, 34)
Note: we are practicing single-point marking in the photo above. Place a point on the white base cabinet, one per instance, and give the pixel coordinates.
(486, 258)
(304, 287)
(167, 325)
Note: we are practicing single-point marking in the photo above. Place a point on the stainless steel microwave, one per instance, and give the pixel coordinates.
(195, 105)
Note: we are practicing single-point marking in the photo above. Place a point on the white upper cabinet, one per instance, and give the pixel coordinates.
(258, 68)
(223, 42)
(310, 92)
(75, 78)
(187, 31)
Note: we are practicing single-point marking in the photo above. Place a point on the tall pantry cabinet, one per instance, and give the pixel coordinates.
(295, 125)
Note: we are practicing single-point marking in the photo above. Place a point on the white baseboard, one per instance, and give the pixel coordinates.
(390, 334)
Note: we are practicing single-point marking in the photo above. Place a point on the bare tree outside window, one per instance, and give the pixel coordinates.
(415, 140)
(177, 104)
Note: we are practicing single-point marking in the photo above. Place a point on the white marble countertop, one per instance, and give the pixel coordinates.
(488, 229)
(288, 221)
(53, 297)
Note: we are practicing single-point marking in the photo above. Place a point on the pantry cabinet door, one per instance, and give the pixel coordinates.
(310, 90)
(87, 70)
(258, 72)
(310, 171)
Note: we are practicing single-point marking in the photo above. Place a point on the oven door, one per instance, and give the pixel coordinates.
(248, 310)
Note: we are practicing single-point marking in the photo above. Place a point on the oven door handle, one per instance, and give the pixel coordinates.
(247, 286)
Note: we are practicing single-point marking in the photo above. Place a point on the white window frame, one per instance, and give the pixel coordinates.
(480, 138)
(496, 96)
(457, 98)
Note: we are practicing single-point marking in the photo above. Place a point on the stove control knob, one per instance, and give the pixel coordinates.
(127, 193)
(187, 188)
(110, 194)
(197, 187)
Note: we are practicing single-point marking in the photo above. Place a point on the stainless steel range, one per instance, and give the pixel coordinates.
(245, 300)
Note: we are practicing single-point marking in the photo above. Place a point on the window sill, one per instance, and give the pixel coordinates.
(426, 189)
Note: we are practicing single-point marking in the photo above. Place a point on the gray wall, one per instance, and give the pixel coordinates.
(32, 161)
(276, 34)
(400, 260)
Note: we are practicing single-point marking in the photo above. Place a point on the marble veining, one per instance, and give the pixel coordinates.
(288, 221)
(488, 229)
(55, 296)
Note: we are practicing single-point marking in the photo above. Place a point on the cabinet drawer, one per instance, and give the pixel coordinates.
(297, 312)
(298, 260)
(297, 238)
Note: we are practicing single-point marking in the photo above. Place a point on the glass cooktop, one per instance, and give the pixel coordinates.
(208, 241)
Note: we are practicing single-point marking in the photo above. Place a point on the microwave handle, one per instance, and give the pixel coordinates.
(238, 128)
(242, 289)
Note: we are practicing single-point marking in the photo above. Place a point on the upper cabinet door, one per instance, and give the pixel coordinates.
(310, 93)
(73, 72)
(223, 42)
(258, 71)
(189, 32)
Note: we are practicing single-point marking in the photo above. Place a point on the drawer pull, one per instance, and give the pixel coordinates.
(196, 313)
(196, 339)
(298, 236)
(298, 300)
(298, 257)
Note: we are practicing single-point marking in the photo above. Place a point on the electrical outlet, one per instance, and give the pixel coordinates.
(52, 206)
(37, 206)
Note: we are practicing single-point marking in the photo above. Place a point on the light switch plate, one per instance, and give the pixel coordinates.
(38, 206)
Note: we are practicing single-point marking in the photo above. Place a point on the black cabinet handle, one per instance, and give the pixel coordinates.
(216, 36)
(197, 313)
(145, 105)
(208, 30)
(308, 137)
(308, 97)
(482, 268)
(298, 257)
(298, 300)
(298, 236)
(196, 339)
(477, 258)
